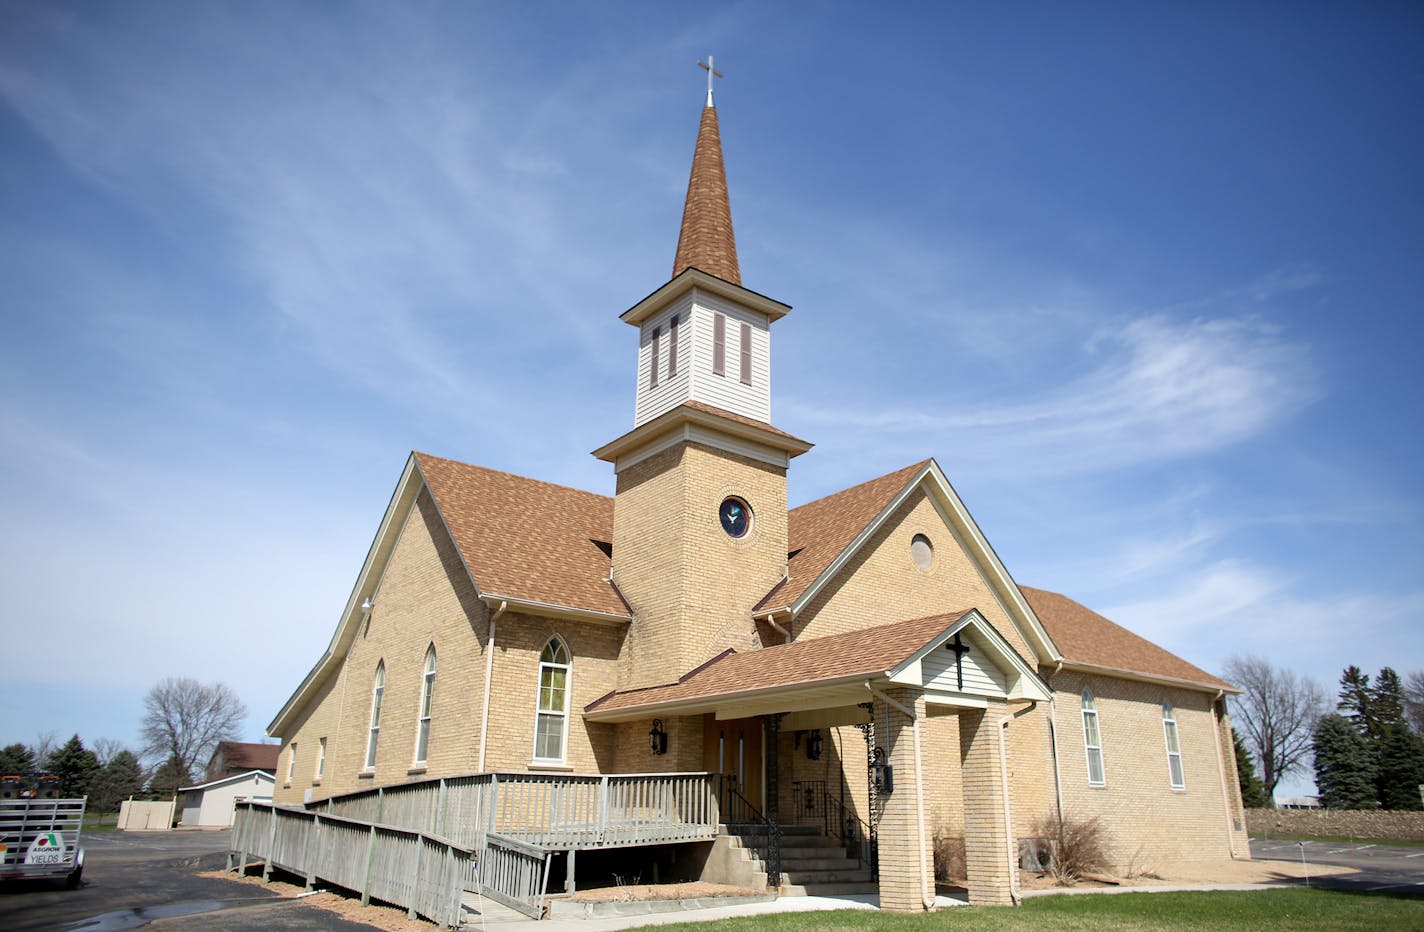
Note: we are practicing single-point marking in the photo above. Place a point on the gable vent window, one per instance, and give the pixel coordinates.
(922, 551)
(1174, 748)
(656, 356)
(719, 344)
(672, 346)
(746, 354)
(551, 723)
(1092, 740)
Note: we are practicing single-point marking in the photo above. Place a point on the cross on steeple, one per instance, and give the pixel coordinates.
(711, 73)
(960, 649)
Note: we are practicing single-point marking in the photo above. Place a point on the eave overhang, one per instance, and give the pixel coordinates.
(1157, 679)
(696, 278)
(685, 418)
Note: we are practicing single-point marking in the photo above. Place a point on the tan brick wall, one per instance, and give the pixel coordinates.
(1145, 820)
(990, 857)
(883, 584)
(906, 856)
(691, 586)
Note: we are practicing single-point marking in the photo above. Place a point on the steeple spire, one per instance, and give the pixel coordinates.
(706, 240)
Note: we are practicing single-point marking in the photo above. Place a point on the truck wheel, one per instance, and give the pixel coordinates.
(72, 881)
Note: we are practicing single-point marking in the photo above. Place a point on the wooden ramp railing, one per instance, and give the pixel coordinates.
(555, 811)
(421, 871)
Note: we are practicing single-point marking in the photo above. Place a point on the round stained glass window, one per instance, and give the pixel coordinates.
(735, 516)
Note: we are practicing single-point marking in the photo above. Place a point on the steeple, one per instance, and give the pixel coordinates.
(706, 241)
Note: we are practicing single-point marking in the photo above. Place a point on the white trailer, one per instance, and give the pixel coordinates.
(39, 839)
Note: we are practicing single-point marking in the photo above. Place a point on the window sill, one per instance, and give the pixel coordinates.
(550, 765)
(415, 771)
(366, 775)
(287, 785)
(316, 782)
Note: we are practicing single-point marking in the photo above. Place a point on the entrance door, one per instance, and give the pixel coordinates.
(733, 747)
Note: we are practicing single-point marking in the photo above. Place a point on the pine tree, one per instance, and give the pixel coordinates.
(170, 775)
(1253, 794)
(120, 778)
(1345, 767)
(75, 765)
(1401, 770)
(1356, 702)
(16, 759)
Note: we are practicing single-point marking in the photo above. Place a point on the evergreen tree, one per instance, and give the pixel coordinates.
(1345, 767)
(1253, 795)
(170, 775)
(1401, 770)
(1356, 700)
(16, 759)
(1387, 702)
(75, 765)
(120, 778)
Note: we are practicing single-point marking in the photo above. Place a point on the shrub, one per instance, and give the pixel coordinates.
(949, 863)
(1078, 847)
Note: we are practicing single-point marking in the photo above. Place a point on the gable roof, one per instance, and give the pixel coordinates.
(1088, 640)
(525, 539)
(855, 655)
(258, 776)
(819, 531)
(246, 755)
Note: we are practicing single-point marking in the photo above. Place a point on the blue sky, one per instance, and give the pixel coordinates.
(1145, 279)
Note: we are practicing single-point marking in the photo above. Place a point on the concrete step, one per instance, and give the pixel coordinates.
(837, 862)
(847, 875)
(830, 889)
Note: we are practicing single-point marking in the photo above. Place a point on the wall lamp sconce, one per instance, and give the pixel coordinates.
(813, 745)
(657, 738)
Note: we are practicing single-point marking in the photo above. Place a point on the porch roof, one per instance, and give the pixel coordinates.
(816, 673)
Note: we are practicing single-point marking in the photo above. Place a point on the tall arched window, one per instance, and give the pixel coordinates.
(378, 689)
(1092, 740)
(1174, 748)
(551, 723)
(427, 693)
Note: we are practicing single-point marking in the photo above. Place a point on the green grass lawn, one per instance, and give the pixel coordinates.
(1229, 912)
(94, 822)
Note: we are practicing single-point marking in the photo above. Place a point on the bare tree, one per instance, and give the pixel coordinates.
(105, 748)
(184, 720)
(1276, 712)
(1414, 701)
(46, 743)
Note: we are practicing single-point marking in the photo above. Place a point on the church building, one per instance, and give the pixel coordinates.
(865, 658)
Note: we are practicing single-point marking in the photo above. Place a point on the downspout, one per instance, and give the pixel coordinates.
(926, 895)
(770, 618)
(1221, 770)
(489, 676)
(1008, 802)
(1053, 741)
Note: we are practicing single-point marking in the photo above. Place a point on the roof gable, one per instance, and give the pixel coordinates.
(1087, 639)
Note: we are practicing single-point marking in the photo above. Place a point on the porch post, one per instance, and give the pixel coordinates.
(989, 845)
(771, 741)
(906, 856)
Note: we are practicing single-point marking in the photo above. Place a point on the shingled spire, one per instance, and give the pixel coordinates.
(706, 241)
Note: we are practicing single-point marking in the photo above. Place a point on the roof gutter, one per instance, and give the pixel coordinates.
(630, 713)
(1148, 678)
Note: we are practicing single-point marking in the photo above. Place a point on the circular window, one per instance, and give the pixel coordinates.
(921, 551)
(736, 517)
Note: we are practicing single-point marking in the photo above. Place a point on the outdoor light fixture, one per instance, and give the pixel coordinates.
(657, 738)
(367, 605)
(813, 745)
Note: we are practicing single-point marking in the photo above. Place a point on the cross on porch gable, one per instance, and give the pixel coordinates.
(960, 649)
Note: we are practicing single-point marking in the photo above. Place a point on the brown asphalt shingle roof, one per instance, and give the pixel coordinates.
(1084, 636)
(867, 652)
(819, 531)
(524, 538)
(706, 241)
(242, 756)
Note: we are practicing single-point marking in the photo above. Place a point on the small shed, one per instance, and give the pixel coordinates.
(210, 805)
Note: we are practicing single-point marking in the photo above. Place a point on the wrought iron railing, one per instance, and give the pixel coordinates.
(744, 819)
(814, 804)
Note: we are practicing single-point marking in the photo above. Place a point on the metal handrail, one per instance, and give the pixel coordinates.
(838, 821)
(733, 803)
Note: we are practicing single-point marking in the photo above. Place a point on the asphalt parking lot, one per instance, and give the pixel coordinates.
(133, 879)
(1381, 868)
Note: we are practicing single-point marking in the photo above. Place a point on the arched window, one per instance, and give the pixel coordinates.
(427, 693)
(1092, 740)
(1174, 748)
(378, 689)
(552, 720)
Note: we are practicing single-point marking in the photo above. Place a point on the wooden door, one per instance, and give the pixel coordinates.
(734, 747)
